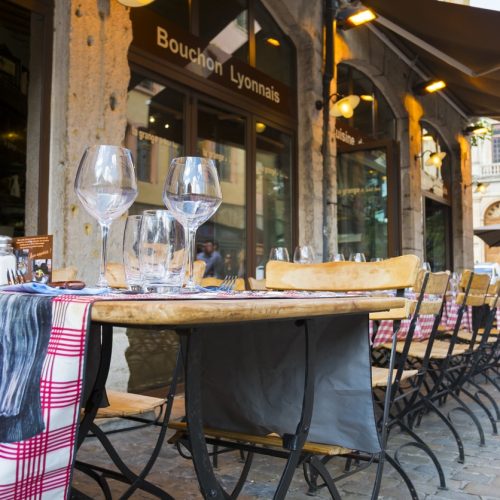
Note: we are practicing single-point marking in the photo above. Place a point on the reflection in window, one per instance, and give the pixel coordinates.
(223, 23)
(434, 178)
(273, 193)
(437, 235)
(362, 203)
(275, 53)
(373, 117)
(154, 134)
(221, 137)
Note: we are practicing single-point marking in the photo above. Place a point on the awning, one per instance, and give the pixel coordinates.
(489, 234)
(457, 43)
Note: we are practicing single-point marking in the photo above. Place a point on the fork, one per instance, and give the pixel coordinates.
(228, 283)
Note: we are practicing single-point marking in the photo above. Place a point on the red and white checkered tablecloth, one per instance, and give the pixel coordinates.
(384, 334)
(450, 314)
(41, 467)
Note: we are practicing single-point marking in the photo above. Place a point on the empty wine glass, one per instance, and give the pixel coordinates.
(106, 185)
(338, 257)
(192, 192)
(357, 257)
(279, 253)
(303, 255)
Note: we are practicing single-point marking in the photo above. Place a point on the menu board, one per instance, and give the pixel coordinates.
(34, 257)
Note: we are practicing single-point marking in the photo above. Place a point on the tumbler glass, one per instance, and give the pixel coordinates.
(131, 242)
(161, 252)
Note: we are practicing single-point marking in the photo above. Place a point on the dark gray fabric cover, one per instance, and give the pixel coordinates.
(253, 380)
(25, 325)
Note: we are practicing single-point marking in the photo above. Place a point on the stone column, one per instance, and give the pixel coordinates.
(411, 188)
(89, 95)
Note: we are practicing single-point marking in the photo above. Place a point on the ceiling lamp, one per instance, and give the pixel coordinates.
(135, 3)
(429, 87)
(273, 41)
(351, 16)
(435, 158)
(260, 127)
(477, 129)
(345, 106)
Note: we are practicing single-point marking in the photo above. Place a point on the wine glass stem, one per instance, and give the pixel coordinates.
(102, 282)
(190, 236)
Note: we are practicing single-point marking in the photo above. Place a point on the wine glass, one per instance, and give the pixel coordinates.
(338, 257)
(357, 257)
(279, 253)
(303, 255)
(192, 192)
(106, 185)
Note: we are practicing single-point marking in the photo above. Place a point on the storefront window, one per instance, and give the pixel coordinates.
(155, 131)
(14, 78)
(437, 235)
(273, 193)
(362, 203)
(221, 137)
(373, 117)
(224, 24)
(275, 53)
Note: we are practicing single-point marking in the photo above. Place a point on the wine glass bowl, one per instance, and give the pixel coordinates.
(192, 193)
(106, 186)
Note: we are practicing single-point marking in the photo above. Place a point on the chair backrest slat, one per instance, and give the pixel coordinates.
(396, 273)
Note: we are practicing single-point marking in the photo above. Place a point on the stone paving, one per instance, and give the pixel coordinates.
(478, 478)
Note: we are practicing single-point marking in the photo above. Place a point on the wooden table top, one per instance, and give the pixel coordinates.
(202, 312)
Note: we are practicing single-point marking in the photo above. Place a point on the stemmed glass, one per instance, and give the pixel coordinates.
(192, 192)
(106, 185)
(303, 255)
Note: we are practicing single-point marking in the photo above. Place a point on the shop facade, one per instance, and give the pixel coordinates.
(237, 81)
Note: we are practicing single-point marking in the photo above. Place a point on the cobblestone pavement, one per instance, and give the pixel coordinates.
(477, 478)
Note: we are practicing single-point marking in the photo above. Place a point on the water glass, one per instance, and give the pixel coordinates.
(131, 242)
(357, 257)
(279, 253)
(161, 252)
(338, 257)
(376, 259)
(303, 255)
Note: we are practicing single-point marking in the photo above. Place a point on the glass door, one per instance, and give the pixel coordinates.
(222, 240)
(437, 233)
(368, 202)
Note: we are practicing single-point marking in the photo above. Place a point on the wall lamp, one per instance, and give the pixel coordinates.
(429, 87)
(350, 16)
(434, 160)
(481, 187)
(344, 106)
(135, 3)
(477, 129)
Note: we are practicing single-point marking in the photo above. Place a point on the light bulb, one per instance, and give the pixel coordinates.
(345, 109)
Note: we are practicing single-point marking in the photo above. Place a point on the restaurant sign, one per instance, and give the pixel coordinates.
(159, 36)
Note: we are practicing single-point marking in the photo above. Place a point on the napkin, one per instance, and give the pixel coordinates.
(41, 288)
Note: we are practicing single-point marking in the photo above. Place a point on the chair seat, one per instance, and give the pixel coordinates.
(380, 376)
(467, 336)
(126, 404)
(439, 349)
(493, 331)
(271, 440)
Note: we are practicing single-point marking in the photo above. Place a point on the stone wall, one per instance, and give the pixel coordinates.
(89, 92)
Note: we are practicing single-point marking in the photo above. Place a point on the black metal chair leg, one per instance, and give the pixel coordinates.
(489, 397)
(404, 476)
(484, 408)
(243, 476)
(317, 465)
(465, 409)
(98, 478)
(129, 475)
(422, 445)
(449, 424)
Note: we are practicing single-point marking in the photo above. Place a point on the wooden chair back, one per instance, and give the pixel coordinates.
(210, 281)
(478, 288)
(256, 284)
(394, 273)
(199, 267)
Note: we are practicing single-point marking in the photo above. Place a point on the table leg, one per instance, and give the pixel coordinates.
(98, 391)
(209, 486)
(295, 442)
